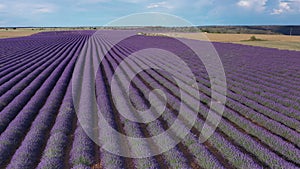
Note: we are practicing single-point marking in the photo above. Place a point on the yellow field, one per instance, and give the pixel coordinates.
(272, 41)
(16, 33)
(19, 32)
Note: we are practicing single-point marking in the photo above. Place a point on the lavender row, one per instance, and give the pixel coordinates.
(174, 158)
(251, 99)
(286, 88)
(24, 52)
(289, 134)
(294, 112)
(34, 58)
(108, 160)
(17, 104)
(288, 106)
(293, 156)
(28, 154)
(224, 147)
(131, 129)
(285, 93)
(219, 147)
(275, 144)
(13, 50)
(83, 150)
(17, 128)
(18, 83)
(268, 112)
(55, 152)
(290, 113)
(249, 62)
(278, 77)
(266, 153)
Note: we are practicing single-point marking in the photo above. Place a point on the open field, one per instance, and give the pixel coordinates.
(272, 41)
(51, 85)
(16, 33)
(19, 32)
(285, 45)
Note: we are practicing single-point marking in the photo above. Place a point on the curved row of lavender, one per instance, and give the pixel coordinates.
(260, 127)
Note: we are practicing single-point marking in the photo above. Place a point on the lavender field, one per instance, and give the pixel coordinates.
(39, 126)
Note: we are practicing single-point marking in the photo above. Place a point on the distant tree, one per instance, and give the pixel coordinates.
(253, 38)
(205, 30)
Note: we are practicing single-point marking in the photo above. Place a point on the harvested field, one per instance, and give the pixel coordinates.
(272, 41)
(16, 33)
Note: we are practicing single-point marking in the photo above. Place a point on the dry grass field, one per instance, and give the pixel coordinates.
(16, 33)
(272, 41)
(19, 32)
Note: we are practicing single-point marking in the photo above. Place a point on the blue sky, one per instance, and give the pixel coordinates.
(101, 12)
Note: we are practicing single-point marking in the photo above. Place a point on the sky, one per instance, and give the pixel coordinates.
(101, 12)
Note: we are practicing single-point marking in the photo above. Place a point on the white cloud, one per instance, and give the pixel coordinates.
(104, 1)
(2, 7)
(257, 5)
(133, 1)
(277, 11)
(43, 8)
(162, 4)
(244, 3)
(287, 7)
(26, 9)
(91, 1)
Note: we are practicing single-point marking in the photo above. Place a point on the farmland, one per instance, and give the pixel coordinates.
(40, 128)
(20, 32)
(15, 33)
(271, 41)
(276, 41)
